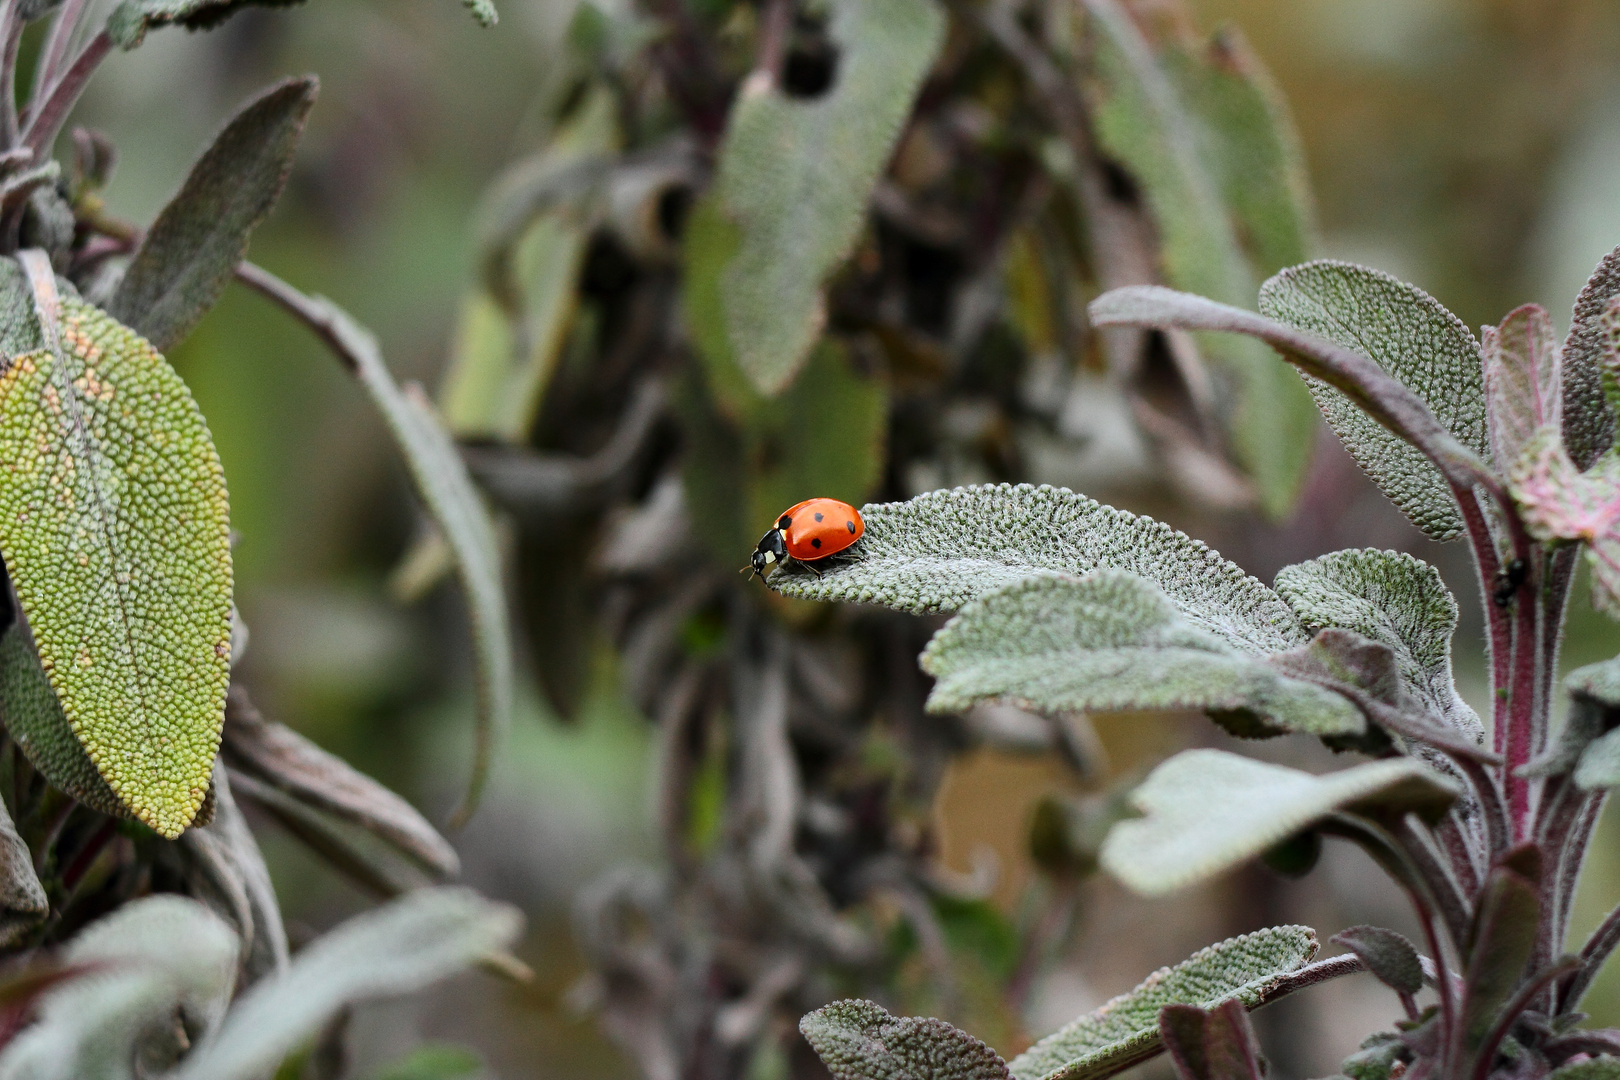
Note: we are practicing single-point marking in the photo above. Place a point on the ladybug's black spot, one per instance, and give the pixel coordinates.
(785, 523)
(818, 517)
(851, 526)
(816, 542)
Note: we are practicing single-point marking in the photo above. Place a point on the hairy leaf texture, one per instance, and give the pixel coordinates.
(1206, 811)
(1523, 379)
(1558, 502)
(794, 177)
(114, 523)
(1410, 335)
(1112, 642)
(858, 1040)
(191, 252)
(1125, 1031)
(1588, 420)
(1396, 600)
(939, 551)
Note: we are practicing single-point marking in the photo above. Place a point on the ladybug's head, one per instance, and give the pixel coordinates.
(770, 552)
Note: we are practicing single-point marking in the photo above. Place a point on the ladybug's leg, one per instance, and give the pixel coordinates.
(813, 568)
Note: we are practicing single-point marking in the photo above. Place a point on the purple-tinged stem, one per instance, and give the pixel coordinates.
(1521, 710)
(55, 50)
(45, 122)
(1514, 1009)
(11, 29)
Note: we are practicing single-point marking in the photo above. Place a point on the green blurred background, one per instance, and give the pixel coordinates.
(1470, 146)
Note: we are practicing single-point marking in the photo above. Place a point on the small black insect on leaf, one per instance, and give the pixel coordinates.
(1508, 582)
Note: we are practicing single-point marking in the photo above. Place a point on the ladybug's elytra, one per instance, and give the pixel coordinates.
(814, 529)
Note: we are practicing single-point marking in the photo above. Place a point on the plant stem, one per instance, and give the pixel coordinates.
(1514, 1008)
(1521, 713)
(56, 47)
(11, 28)
(45, 122)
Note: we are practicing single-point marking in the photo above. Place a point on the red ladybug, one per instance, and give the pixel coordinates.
(814, 529)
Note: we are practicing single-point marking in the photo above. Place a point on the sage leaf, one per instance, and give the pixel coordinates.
(396, 949)
(1143, 122)
(1523, 362)
(1112, 642)
(34, 719)
(1588, 420)
(441, 480)
(1501, 943)
(1206, 811)
(858, 1040)
(1388, 955)
(938, 551)
(131, 19)
(23, 904)
(794, 177)
(151, 958)
(1125, 1031)
(1599, 765)
(191, 252)
(1211, 1044)
(1396, 600)
(1412, 337)
(1594, 711)
(1557, 502)
(116, 532)
(1597, 1068)
(1377, 1057)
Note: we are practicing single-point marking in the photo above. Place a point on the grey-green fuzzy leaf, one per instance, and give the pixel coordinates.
(1599, 765)
(401, 947)
(192, 250)
(1126, 1030)
(1112, 642)
(1598, 1068)
(795, 176)
(23, 904)
(1594, 709)
(446, 489)
(859, 1040)
(131, 19)
(1396, 600)
(1588, 421)
(156, 956)
(1388, 955)
(939, 551)
(1410, 335)
(1206, 811)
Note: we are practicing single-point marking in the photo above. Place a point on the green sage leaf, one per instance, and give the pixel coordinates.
(131, 19)
(191, 252)
(939, 551)
(1588, 420)
(23, 904)
(1410, 335)
(1206, 811)
(1125, 1031)
(1598, 1068)
(114, 523)
(795, 176)
(403, 946)
(858, 1040)
(1143, 122)
(1388, 955)
(1112, 642)
(1396, 600)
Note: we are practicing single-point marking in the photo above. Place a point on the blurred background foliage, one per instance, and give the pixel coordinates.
(1470, 146)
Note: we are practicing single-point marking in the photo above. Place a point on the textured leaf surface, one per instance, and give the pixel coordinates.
(1594, 692)
(1598, 1068)
(191, 252)
(1588, 421)
(35, 721)
(23, 904)
(1559, 503)
(1143, 121)
(858, 1040)
(795, 175)
(403, 946)
(1112, 642)
(1410, 335)
(131, 19)
(1522, 379)
(114, 522)
(1388, 955)
(1206, 811)
(1599, 764)
(939, 551)
(157, 955)
(1396, 600)
(1126, 1030)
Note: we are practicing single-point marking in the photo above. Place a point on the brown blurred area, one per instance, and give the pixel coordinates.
(1470, 146)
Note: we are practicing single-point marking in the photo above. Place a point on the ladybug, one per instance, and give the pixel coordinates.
(814, 529)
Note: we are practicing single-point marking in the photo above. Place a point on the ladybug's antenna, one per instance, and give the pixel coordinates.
(749, 570)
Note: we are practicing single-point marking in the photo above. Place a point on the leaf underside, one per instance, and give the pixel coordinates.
(1410, 335)
(115, 526)
(1206, 811)
(794, 177)
(1112, 642)
(1126, 1029)
(939, 551)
